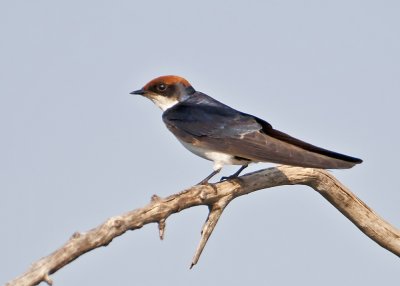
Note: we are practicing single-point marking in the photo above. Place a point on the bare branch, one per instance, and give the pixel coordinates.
(212, 219)
(217, 197)
(161, 223)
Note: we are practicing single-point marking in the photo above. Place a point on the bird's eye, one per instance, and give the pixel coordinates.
(161, 87)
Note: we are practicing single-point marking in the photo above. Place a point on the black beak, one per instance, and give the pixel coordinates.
(139, 91)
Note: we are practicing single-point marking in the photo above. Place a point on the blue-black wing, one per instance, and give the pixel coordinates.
(212, 125)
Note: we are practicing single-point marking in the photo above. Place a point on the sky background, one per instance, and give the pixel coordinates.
(77, 148)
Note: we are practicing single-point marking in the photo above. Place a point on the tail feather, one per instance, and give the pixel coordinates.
(283, 149)
(309, 147)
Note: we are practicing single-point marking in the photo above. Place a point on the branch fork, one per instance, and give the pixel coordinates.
(215, 212)
(216, 197)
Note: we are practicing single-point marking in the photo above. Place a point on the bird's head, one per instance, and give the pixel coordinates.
(166, 91)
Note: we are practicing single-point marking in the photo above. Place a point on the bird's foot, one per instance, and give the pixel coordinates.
(235, 175)
(225, 178)
(203, 183)
(206, 179)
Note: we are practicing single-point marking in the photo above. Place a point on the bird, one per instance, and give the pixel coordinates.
(219, 133)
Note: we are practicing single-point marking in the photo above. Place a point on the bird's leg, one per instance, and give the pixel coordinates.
(235, 175)
(206, 179)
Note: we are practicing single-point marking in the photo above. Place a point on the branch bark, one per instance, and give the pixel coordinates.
(216, 197)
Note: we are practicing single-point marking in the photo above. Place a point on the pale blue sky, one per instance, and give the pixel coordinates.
(76, 148)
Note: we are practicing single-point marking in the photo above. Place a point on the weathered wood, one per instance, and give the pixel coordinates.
(217, 197)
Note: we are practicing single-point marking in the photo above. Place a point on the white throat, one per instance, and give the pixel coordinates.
(163, 102)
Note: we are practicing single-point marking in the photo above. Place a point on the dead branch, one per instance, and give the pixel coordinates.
(216, 197)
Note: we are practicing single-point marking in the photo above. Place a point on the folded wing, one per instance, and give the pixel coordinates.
(223, 129)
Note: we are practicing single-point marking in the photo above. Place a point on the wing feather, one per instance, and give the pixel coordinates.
(220, 128)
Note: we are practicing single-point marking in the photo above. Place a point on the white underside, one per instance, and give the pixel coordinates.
(220, 159)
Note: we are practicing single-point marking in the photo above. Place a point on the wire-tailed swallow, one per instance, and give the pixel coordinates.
(219, 133)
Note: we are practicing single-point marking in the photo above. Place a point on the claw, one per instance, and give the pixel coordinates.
(224, 178)
(235, 175)
(205, 180)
